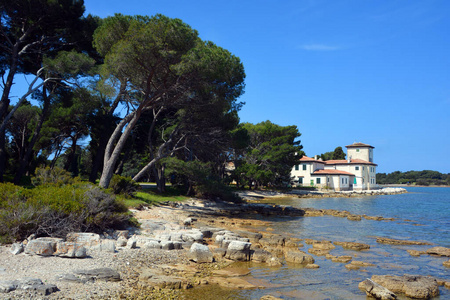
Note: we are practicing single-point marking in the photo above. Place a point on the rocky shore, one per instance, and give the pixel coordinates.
(190, 246)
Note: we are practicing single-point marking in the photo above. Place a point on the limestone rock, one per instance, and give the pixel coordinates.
(389, 241)
(415, 252)
(312, 266)
(200, 253)
(441, 251)
(16, 248)
(86, 239)
(342, 259)
(40, 247)
(121, 242)
(323, 245)
(131, 244)
(70, 249)
(375, 290)
(102, 274)
(261, 256)
(354, 218)
(352, 267)
(414, 286)
(318, 252)
(34, 286)
(446, 263)
(361, 263)
(353, 245)
(299, 257)
(274, 262)
(238, 251)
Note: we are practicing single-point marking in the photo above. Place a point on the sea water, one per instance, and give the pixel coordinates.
(422, 214)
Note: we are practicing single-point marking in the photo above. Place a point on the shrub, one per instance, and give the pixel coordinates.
(53, 210)
(123, 185)
(47, 175)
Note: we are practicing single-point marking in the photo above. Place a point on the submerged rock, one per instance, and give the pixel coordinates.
(353, 245)
(414, 286)
(375, 290)
(389, 241)
(441, 251)
(299, 257)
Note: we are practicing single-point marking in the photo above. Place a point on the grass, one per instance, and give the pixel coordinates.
(149, 197)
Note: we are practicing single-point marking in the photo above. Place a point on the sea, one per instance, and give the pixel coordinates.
(422, 214)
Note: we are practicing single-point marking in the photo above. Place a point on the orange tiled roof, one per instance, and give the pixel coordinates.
(309, 159)
(332, 172)
(354, 145)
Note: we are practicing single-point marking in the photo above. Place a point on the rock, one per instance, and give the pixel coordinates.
(16, 248)
(7, 286)
(361, 263)
(105, 245)
(70, 249)
(323, 245)
(273, 241)
(383, 240)
(354, 218)
(121, 242)
(187, 222)
(39, 247)
(353, 245)
(312, 266)
(200, 253)
(274, 262)
(102, 274)
(86, 239)
(167, 245)
(253, 237)
(375, 290)
(131, 244)
(269, 297)
(238, 251)
(122, 234)
(446, 263)
(352, 267)
(415, 252)
(441, 251)
(342, 259)
(34, 286)
(299, 257)
(152, 244)
(318, 252)
(414, 286)
(261, 256)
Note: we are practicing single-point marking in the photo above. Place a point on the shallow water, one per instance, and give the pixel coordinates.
(423, 214)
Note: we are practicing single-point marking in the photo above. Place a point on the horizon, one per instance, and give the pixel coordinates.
(375, 72)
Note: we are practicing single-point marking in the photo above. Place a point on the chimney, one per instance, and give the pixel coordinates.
(315, 157)
(349, 159)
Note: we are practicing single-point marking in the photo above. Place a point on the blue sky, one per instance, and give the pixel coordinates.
(376, 72)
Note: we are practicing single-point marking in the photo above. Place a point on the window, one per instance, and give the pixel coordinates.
(364, 168)
(357, 168)
(296, 167)
(346, 180)
(357, 149)
(318, 180)
(300, 180)
(304, 167)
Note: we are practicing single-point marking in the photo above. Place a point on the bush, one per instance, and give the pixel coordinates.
(51, 176)
(123, 185)
(53, 210)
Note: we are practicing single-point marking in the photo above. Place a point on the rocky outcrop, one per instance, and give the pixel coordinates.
(414, 286)
(353, 246)
(440, 251)
(33, 286)
(389, 241)
(298, 257)
(375, 290)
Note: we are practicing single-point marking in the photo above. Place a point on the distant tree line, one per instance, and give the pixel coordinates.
(138, 96)
(425, 177)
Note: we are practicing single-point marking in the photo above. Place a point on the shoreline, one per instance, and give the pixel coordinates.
(168, 274)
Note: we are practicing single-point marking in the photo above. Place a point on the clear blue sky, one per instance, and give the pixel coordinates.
(373, 71)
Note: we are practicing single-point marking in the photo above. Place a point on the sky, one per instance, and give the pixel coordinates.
(372, 71)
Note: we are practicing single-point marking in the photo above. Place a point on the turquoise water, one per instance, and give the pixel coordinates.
(423, 214)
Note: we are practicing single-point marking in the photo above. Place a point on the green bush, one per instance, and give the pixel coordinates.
(51, 176)
(52, 210)
(123, 185)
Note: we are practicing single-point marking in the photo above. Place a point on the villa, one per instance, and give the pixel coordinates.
(357, 172)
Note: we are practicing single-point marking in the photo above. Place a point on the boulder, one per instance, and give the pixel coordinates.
(273, 241)
(167, 245)
(131, 244)
(299, 257)
(261, 256)
(200, 253)
(441, 251)
(312, 266)
(70, 249)
(323, 245)
(40, 247)
(375, 290)
(86, 239)
(152, 244)
(121, 242)
(238, 251)
(414, 286)
(33, 286)
(342, 259)
(105, 245)
(16, 248)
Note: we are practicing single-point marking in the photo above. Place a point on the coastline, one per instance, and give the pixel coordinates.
(151, 273)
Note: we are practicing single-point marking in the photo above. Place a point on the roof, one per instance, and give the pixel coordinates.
(358, 145)
(355, 161)
(309, 159)
(332, 172)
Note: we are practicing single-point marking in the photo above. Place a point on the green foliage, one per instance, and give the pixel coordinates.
(337, 154)
(52, 210)
(47, 175)
(123, 185)
(425, 177)
(270, 156)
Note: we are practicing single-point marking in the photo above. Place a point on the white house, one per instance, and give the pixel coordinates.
(357, 172)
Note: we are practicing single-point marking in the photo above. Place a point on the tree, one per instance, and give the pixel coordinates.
(31, 29)
(338, 153)
(272, 153)
(166, 67)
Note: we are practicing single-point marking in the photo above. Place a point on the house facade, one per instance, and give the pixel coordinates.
(357, 172)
